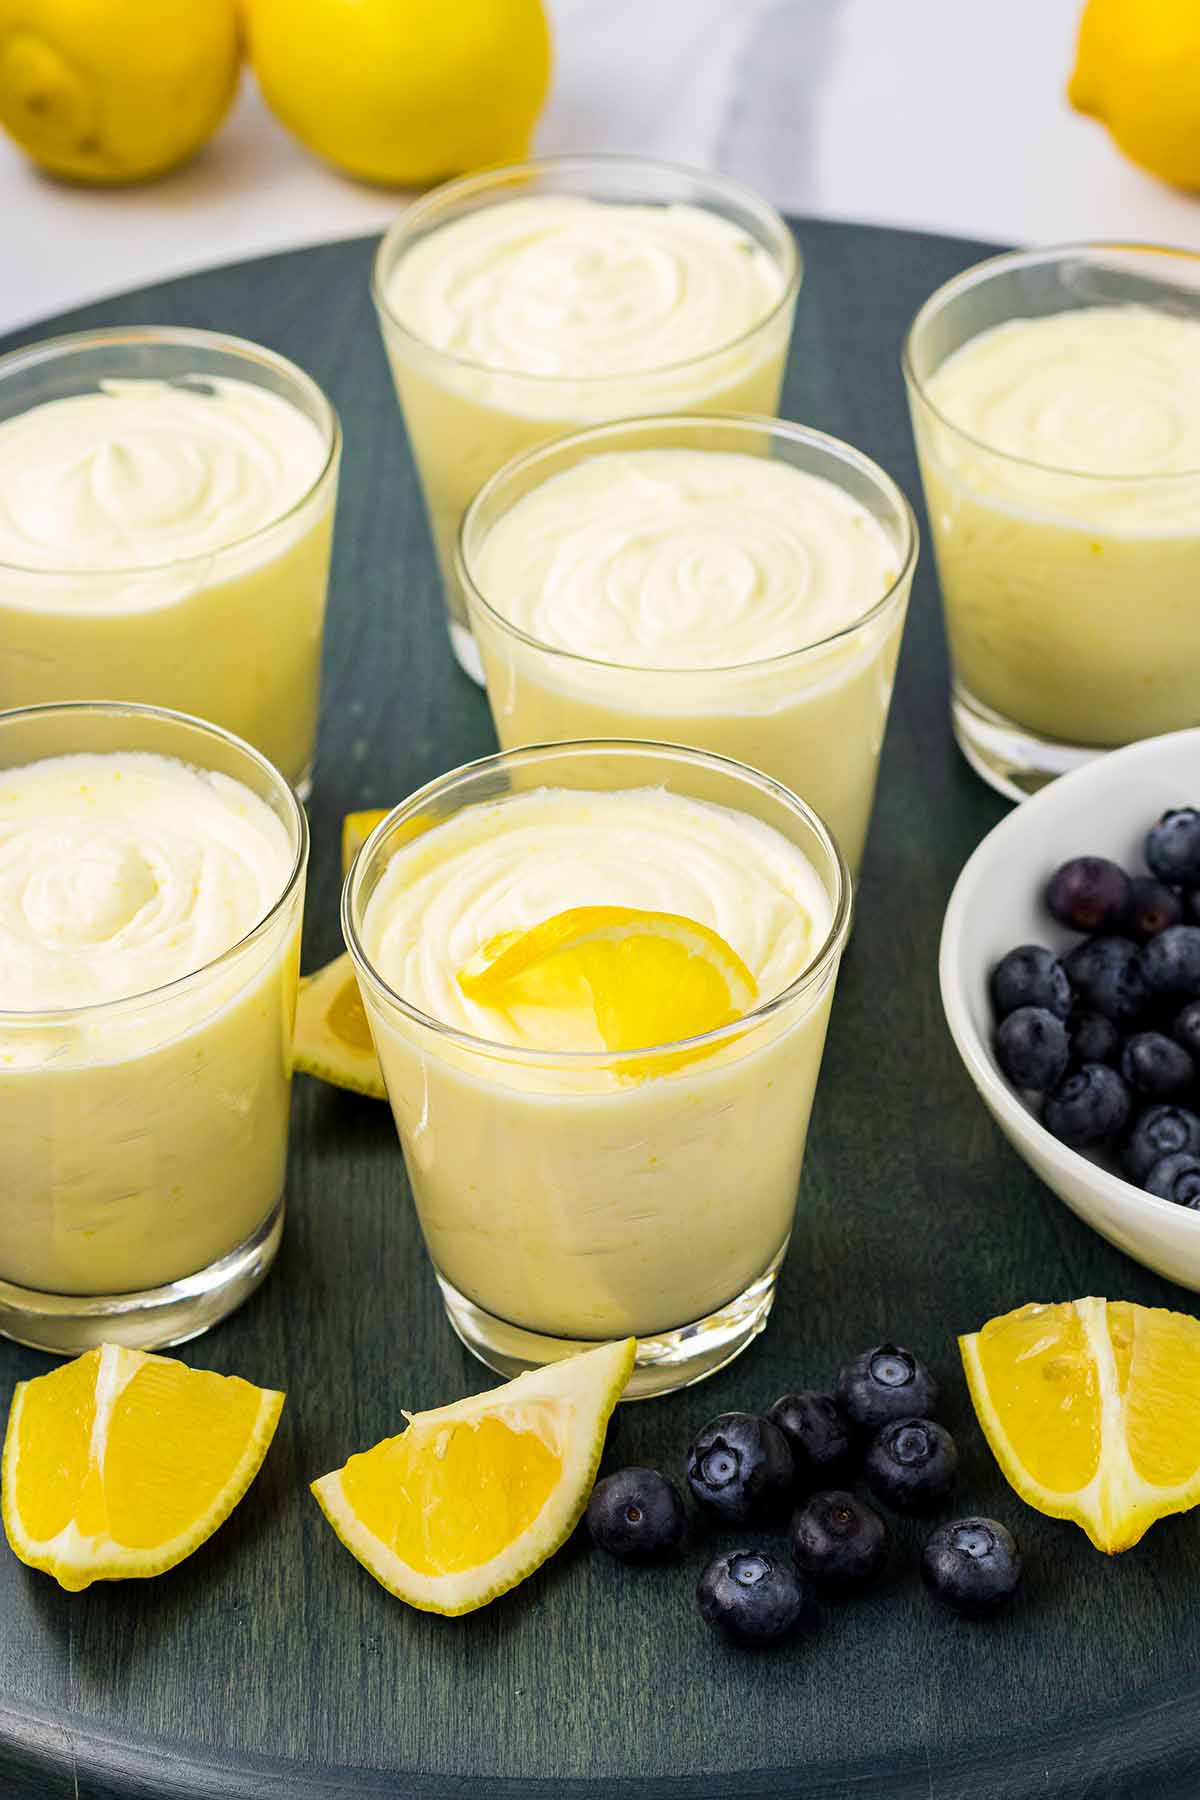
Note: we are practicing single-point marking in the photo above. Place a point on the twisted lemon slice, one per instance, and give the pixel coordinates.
(474, 1497)
(1092, 1410)
(647, 977)
(121, 1464)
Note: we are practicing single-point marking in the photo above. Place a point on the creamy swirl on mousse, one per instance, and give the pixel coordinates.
(120, 873)
(685, 559)
(142, 473)
(566, 286)
(509, 865)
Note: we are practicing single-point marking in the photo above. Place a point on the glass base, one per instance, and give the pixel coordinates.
(466, 651)
(664, 1363)
(1010, 757)
(69, 1323)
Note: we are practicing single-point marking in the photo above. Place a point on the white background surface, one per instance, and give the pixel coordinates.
(949, 115)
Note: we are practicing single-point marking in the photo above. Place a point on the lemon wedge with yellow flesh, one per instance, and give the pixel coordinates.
(356, 829)
(121, 1464)
(333, 1039)
(649, 977)
(473, 1497)
(1092, 1409)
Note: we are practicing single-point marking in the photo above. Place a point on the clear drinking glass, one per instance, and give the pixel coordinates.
(813, 719)
(573, 1197)
(465, 419)
(1070, 598)
(232, 635)
(143, 1141)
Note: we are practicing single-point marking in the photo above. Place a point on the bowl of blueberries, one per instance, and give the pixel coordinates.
(1070, 978)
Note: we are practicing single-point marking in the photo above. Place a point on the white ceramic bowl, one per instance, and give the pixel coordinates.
(1104, 808)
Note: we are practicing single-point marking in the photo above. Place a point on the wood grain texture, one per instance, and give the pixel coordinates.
(269, 1663)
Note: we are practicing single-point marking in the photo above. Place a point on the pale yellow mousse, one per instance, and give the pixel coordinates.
(555, 1190)
(161, 542)
(142, 1126)
(697, 597)
(548, 313)
(1063, 480)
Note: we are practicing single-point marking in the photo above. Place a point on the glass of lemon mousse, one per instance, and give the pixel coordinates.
(151, 890)
(529, 301)
(598, 977)
(166, 517)
(1055, 398)
(734, 584)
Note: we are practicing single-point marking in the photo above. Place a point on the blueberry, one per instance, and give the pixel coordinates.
(1171, 961)
(1093, 1038)
(1185, 1029)
(885, 1383)
(911, 1464)
(751, 1598)
(1030, 976)
(1153, 907)
(1173, 847)
(636, 1515)
(1156, 1066)
(1089, 893)
(1157, 1132)
(1106, 974)
(1088, 1105)
(740, 1466)
(816, 1431)
(1176, 1178)
(1032, 1047)
(839, 1541)
(972, 1566)
(1191, 906)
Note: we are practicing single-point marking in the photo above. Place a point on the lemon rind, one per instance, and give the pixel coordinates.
(530, 1396)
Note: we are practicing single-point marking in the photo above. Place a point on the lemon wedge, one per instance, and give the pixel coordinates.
(333, 1039)
(121, 1464)
(648, 978)
(356, 829)
(474, 1497)
(1092, 1409)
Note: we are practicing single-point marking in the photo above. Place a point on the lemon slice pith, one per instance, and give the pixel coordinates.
(120, 1464)
(473, 1497)
(1092, 1409)
(333, 1039)
(649, 977)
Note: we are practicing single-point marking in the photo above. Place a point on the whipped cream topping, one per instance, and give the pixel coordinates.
(685, 559)
(508, 865)
(567, 286)
(142, 473)
(120, 872)
(1101, 391)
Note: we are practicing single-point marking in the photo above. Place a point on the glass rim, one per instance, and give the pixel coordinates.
(71, 343)
(77, 1015)
(998, 264)
(791, 260)
(650, 422)
(813, 971)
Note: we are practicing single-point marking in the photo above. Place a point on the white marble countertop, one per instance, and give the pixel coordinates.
(947, 115)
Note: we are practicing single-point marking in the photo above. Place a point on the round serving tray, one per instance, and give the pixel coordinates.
(270, 1664)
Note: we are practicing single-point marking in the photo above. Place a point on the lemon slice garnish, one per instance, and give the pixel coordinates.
(648, 978)
(1092, 1410)
(474, 1497)
(333, 1039)
(121, 1464)
(356, 829)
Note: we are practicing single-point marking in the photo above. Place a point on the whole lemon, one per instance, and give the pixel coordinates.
(403, 92)
(115, 90)
(1137, 70)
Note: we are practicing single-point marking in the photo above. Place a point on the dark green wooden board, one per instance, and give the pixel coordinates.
(270, 1664)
